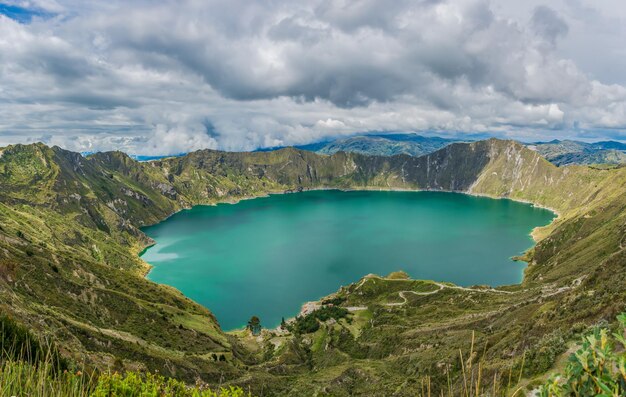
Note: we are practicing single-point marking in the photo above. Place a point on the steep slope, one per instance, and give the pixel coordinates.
(69, 238)
(68, 265)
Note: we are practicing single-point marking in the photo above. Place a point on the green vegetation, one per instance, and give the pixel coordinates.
(254, 325)
(597, 368)
(30, 367)
(19, 344)
(19, 378)
(311, 322)
(133, 384)
(69, 239)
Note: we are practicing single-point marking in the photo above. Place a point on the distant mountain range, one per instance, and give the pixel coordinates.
(575, 152)
(558, 152)
(382, 145)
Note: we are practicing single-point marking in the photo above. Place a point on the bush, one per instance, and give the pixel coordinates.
(596, 369)
(133, 384)
(334, 301)
(19, 378)
(311, 322)
(542, 357)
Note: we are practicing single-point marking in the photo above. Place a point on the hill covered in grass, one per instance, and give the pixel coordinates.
(69, 239)
(33, 366)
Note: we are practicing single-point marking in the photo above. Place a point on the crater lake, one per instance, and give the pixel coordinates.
(267, 256)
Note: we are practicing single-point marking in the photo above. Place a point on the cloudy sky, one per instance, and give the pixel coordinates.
(164, 77)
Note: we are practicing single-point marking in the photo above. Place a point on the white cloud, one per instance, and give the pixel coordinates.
(177, 76)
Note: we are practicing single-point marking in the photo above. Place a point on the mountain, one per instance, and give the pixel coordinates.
(382, 145)
(376, 145)
(565, 152)
(574, 152)
(69, 239)
(609, 145)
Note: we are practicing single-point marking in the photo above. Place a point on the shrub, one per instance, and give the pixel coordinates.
(596, 369)
(542, 357)
(134, 384)
(19, 378)
(338, 300)
(311, 322)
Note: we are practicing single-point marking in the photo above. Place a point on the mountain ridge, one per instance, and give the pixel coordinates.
(81, 216)
(559, 152)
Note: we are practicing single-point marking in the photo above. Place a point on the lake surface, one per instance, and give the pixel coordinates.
(267, 256)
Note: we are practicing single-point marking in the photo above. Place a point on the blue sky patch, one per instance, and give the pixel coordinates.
(21, 14)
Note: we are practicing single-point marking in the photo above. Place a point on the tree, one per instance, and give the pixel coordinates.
(254, 325)
(283, 324)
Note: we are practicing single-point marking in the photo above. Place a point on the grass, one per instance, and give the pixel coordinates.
(19, 378)
(596, 368)
(476, 378)
(33, 367)
(69, 235)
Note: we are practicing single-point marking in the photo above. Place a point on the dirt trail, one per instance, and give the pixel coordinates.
(404, 298)
(401, 294)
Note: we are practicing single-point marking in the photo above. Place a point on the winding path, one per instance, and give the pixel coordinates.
(401, 294)
(404, 298)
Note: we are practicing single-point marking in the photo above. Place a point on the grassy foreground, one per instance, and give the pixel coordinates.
(19, 378)
(597, 368)
(32, 367)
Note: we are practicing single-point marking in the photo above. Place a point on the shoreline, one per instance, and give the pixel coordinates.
(306, 306)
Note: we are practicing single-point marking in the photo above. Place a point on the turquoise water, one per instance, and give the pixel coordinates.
(269, 255)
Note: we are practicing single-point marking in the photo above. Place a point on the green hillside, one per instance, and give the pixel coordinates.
(69, 239)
